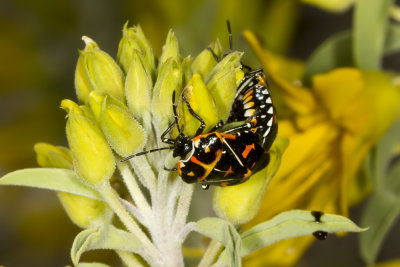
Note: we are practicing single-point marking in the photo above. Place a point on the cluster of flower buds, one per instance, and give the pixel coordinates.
(122, 101)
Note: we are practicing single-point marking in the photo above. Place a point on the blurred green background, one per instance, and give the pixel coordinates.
(39, 42)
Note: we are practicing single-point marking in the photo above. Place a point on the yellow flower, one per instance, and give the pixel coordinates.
(331, 127)
(331, 5)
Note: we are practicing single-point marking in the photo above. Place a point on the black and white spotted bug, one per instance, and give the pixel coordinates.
(253, 105)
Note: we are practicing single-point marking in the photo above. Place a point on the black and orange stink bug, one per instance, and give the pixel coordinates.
(227, 157)
(231, 156)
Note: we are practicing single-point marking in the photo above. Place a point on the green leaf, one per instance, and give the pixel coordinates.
(104, 237)
(370, 22)
(291, 224)
(50, 178)
(225, 233)
(392, 42)
(333, 53)
(383, 208)
(380, 214)
(337, 52)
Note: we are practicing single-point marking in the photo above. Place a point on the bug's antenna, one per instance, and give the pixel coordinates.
(228, 24)
(175, 113)
(145, 152)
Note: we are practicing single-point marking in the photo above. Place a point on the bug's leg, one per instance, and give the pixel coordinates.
(246, 67)
(228, 24)
(168, 140)
(213, 54)
(246, 126)
(202, 123)
(216, 127)
(175, 112)
(170, 170)
(205, 186)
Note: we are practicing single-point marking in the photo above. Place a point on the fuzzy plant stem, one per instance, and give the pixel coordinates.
(165, 240)
(112, 199)
(128, 258)
(135, 192)
(211, 253)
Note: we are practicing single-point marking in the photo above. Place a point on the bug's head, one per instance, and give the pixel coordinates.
(182, 146)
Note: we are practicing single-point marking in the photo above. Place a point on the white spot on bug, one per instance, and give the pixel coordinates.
(267, 132)
(263, 116)
(269, 123)
(249, 112)
(262, 106)
(270, 110)
(265, 92)
(248, 105)
(182, 164)
(196, 143)
(269, 101)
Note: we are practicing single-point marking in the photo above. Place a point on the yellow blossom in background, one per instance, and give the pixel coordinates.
(331, 127)
(331, 5)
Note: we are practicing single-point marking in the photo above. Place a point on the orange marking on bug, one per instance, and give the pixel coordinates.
(229, 136)
(224, 184)
(247, 99)
(254, 121)
(246, 175)
(261, 80)
(207, 167)
(196, 161)
(228, 171)
(254, 163)
(247, 94)
(249, 105)
(201, 136)
(191, 173)
(179, 167)
(247, 150)
(207, 150)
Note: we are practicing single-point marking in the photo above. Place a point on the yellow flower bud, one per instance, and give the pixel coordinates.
(71, 107)
(125, 50)
(146, 51)
(93, 159)
(169, 80)
(95, 103)
(82, 84)
(231, 61)
(85, 212)
(205, 61)
(53, 156)
(239, 204)
(125, 135)
(187, 70)
(201, 102)
(170, 49)
(82, 211)
(102, 71)
(138, 87)
(222, 83)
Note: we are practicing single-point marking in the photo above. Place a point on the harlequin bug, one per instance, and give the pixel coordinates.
(228, 157)
(252, 104)
(216, 158)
